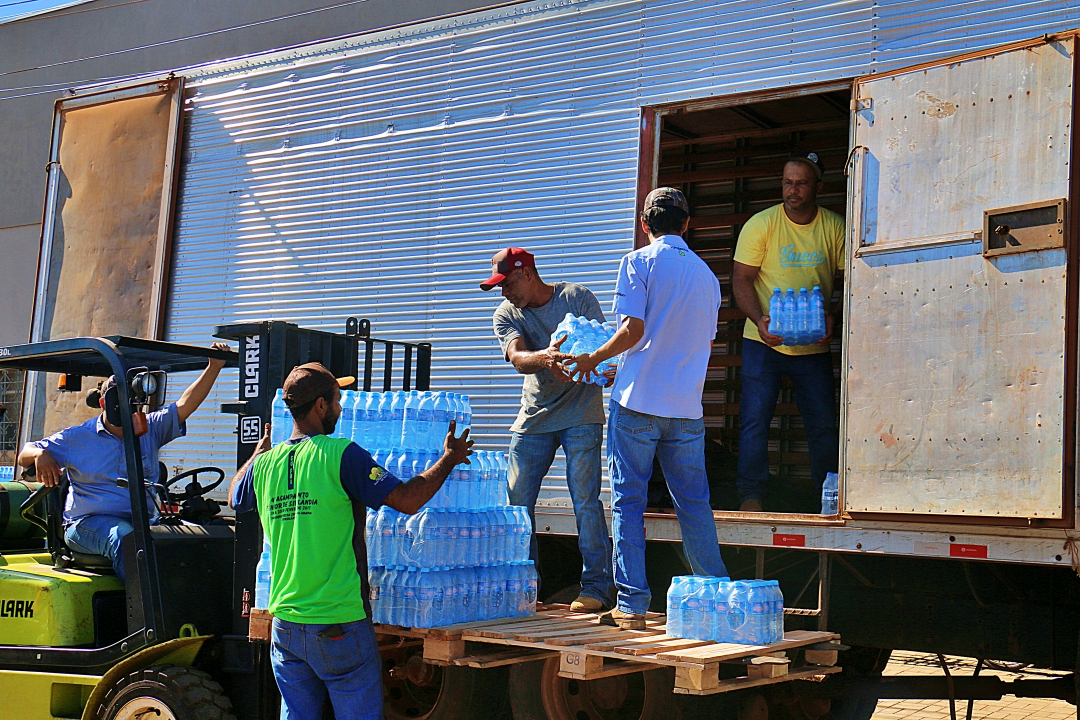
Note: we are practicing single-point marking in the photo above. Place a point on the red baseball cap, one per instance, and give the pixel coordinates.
(505, 262)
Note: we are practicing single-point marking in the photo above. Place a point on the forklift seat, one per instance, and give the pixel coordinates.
(88, 562)
(52, 505)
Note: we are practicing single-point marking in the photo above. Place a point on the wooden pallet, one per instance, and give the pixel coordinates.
(588, 650)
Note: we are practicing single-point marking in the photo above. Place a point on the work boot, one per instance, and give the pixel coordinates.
(751, 505)
(586, 604)
(624, 620)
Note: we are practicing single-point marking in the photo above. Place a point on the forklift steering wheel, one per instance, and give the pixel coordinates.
(195, 488)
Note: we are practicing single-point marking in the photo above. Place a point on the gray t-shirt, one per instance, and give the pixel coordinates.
(547, 404)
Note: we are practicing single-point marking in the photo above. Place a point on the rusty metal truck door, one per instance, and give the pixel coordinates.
(103, 267)
(958, 396)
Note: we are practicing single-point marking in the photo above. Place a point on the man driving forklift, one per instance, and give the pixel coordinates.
(97, 513)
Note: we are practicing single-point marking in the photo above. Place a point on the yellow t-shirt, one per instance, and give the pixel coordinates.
(791, 256)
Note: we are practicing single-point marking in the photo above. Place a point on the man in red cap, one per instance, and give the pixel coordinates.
(311, 491)
(554, 412)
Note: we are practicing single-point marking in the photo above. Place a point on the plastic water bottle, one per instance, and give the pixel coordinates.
(462, 522)
(502, 471)
(674, 601)
(705, 624)
(737, 612)
(369, 421)
(457, 410)
(441, 415)
(382, 419)
(512, 600)
(788, 308)
(721, 597)
(280, 420)
(262, 581)
(777, 625)
(410, 406)
(830, 494)
(425, 417)
(426, 599)
(817, 315)
(359, 418)
(802, 316)
(761, 606)
(776, 316)
(466, 422)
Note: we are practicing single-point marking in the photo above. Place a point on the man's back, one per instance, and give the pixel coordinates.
(677, 296)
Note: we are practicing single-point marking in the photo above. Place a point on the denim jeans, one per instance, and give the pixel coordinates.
(100, 535)
(531, 455)
(815, 393)
(634, 439)
(309, 665)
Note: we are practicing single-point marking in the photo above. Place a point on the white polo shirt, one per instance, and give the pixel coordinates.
(677, 296)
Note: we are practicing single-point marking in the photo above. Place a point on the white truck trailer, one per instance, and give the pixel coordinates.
(375, 175)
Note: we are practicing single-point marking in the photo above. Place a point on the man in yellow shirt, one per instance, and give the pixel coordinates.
(792, 245)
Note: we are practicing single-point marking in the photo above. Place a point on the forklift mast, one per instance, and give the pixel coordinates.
(269, 350)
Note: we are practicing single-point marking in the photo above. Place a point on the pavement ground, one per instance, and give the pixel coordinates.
(1008, 708)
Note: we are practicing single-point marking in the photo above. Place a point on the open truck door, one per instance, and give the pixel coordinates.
(960, 346)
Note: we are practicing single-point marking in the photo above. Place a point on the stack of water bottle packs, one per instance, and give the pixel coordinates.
(585, 336)
(719, 609)
(798, 319)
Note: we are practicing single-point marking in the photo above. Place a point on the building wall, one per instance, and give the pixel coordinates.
(97, 37)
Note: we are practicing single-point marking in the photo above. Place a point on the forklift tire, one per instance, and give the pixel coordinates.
(166, 692)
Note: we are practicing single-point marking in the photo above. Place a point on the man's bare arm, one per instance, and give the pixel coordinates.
(47, 470)
(263, 446)
(410, 496)
(529, 362)
(742, 286)
(193, 397)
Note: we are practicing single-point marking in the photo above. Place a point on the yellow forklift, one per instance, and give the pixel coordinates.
(173, 643)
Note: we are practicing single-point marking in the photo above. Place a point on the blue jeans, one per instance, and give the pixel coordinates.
(309, 664)
(633, 440)
(531, 455)
(100, 535)
(815, 393)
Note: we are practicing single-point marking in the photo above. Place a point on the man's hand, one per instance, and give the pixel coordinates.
(554, 358)
(830, 323)
(610, 375)
(47, 470)
(457, 449)
(264, 441)
(763, 331)
(215, 363)
(586, 368)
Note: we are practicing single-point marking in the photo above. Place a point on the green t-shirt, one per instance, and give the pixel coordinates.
(313, 516)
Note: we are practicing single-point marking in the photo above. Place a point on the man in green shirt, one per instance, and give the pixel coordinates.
(311, 492)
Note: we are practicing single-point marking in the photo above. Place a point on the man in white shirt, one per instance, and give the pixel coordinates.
(666, 303)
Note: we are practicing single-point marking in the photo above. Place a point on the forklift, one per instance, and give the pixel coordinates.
(172, 642)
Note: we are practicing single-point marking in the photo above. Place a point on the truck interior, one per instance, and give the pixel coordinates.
(728, 160)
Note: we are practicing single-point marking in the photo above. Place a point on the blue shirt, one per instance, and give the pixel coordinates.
(360, 483)
(94, 460)
(677, 296)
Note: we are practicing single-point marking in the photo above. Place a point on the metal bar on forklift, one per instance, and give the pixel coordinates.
(388, 367)
(423, 366)
(369, 363)
(406, 383)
